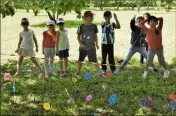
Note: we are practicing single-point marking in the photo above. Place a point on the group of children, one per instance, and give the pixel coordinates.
(146, 31)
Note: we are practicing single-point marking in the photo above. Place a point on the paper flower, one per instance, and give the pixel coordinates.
(145, 102)
(172, 107)
(171, 96)
(113, 99)
(119, 60)
(46, 106)
(7, 76)
(149, 98)
(74, 79)
(87, 76)
(108, 74)
(89, 98)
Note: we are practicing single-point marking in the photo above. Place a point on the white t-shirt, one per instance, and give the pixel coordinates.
(27, 39)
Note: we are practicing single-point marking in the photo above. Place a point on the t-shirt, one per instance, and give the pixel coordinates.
(63, 40)
(49, 39)
(108, 35)
(27, 39)
(154, 37)
(87, 33)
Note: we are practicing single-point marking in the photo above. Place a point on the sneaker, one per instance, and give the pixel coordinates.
(102, 73)
(144, 74)
(62, 73)
(114, 72)
(166, 74)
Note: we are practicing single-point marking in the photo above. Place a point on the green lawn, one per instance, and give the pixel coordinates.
(128, 85)
(68, 24)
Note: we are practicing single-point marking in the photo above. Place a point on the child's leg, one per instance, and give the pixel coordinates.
(111, 57)
(82, 56)
(20, 60)
(150, 58)
(36, 64)
(47, 55)
(52, 60)
(61, 64)
(66, 63)
(104, 55)
(161, 59)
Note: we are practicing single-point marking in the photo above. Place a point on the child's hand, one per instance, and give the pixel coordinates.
(115, 16)
(134, 17)
(17, 50)
(82, 45)
(36, 49)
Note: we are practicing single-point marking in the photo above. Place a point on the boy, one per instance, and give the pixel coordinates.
(87, 38)
(138, 42)
(108, 37)
(154, 37)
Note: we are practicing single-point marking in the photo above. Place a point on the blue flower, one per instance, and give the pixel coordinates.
(145, 102)
(87, 76)
(113, 99)
(172, 107)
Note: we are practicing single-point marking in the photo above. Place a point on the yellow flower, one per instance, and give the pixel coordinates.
(46, 106)
(74, 80)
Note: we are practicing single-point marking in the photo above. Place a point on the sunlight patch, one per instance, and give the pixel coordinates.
(31, 81)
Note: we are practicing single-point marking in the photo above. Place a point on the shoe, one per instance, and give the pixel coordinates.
(166, 74)
(155, 70)
(62, 74)
(144, 74)
(114, 72)
(102, 73)
(42, 74)
(46, 75)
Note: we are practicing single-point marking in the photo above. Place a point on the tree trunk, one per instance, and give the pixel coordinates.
(50, 16)
(138, 7)
(101, 8)
(36, 11)
(117, 8)
(27, 10)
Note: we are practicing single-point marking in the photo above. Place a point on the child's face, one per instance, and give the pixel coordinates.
(153, 23)
(51, 27)
(61, 25)
(107, 18)
(145, 17)
(25, 25)
(88, 19)
(139, 21)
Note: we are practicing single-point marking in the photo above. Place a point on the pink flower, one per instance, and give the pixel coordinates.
(7, 76)
(89, 97)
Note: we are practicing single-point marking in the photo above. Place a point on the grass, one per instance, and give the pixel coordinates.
(68, 24)
(128, 85)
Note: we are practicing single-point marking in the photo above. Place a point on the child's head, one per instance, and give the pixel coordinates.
(146, 15)
(51, 25)
(153, 21)
(139, 20)
(60, 22)
(107, 16)
(24, 23)
(88, 17)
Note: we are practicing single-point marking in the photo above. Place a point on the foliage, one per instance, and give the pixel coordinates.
(129, 86)
(7, 8)
(68, 24)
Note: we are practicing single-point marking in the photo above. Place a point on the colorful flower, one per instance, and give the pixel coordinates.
(87, 76)
(74, 79)
(171, 96)
(108, 74)
(7, 76)
(113, 99)
(46, 106)
(145, 102)
(89, 98)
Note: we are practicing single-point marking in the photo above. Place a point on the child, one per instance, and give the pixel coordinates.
(146, 16)
(87, 38)
(137, 42)
(49, 41)
(62, 47)
(25, 46)
(154, 37)
(108, 37)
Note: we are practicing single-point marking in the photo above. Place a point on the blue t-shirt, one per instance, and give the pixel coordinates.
(108, 35)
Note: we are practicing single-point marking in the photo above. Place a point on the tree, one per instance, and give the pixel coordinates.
(101, 3)
(167, 4)
(7, 8)
(118, 3)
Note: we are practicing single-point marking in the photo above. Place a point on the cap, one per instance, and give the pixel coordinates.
(88, 14)
(50, 23)
(24, 20)
(60, 20)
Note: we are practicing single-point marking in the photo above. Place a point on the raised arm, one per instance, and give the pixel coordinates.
(117, 22)
(142, 24)
(132, 24)
(160, 24)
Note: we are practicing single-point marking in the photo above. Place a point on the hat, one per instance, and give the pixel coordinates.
(50, 23)
(88, 14)
(24, 20)
(60, 20)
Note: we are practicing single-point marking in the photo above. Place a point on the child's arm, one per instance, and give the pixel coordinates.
(132, 23)
(96, 41)
(57, 41)
(160, 25)
(142, 24)
(19, 43)
(43, 43)
(117, 22)
(35, 41)
(79, 32)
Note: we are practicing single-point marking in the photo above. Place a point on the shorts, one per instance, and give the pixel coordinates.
(26, 52)
(92, 57)
(49, 53)
(160, 55)
(63, 53)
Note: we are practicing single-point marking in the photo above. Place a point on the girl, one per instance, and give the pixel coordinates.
(49, 41)
(26, 45)
(62, 47)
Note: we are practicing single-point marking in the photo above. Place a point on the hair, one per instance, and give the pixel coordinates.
(152, 18)
(148, 14)
(24, 20)
(140, 18)
(107, 13)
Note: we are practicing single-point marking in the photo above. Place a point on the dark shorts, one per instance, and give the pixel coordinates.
(92, 57)
(63, 53)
